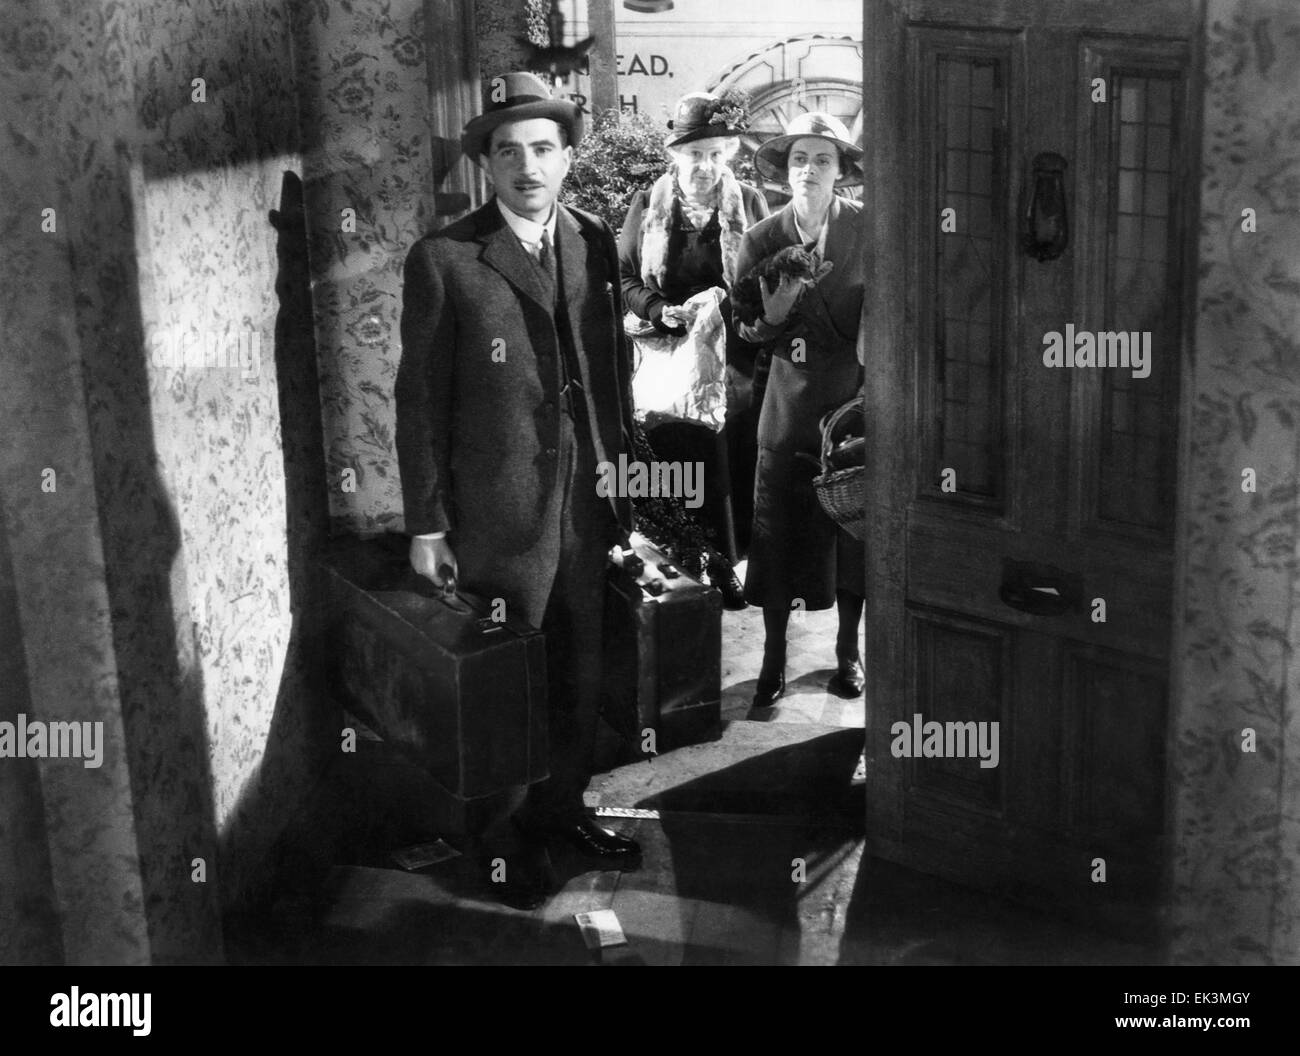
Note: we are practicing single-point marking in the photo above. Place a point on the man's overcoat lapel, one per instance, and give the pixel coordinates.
(573, 252)
(503, 252)
(506, 254)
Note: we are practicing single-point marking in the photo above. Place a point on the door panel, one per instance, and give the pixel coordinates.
(1133, 213)
(954, 658)
(1114, 742)
(962, 96)
(1021, 557)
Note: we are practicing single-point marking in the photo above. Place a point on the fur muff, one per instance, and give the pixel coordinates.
(795, 261)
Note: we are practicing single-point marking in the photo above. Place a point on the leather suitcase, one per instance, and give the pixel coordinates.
(459, 695)
(663, 654)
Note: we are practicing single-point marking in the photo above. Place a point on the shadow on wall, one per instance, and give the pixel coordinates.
(305, 722)
(237, 446)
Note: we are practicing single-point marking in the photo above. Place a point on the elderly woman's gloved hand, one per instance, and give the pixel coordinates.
(681, 315)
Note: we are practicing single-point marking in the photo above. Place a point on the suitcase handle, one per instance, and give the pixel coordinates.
(631, 561)
(445, 593)
(448, 576)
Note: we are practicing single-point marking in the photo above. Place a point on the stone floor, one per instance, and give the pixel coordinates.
(753, 854)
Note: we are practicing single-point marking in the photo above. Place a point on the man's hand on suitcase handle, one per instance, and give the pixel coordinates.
(629, 560)
(433, 559)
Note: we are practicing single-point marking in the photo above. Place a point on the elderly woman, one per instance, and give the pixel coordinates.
(799, 557)
(680, 244)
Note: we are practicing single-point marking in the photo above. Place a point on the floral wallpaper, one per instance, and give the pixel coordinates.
(1237, 814)
(362, 82)
(209, 175)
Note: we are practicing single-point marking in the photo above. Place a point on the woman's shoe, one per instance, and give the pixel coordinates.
(768, 692)
(722, 574)
(771, 682)
(849, 679)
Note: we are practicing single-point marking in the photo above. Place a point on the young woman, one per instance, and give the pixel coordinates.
(797, 553)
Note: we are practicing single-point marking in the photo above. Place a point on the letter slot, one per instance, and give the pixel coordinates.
(1039, 589)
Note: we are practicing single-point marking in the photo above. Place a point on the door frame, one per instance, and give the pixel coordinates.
(889, 317)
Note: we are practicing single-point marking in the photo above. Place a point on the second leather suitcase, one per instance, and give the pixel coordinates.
(663, 654)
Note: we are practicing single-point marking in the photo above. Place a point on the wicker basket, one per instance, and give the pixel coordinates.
(842, 492)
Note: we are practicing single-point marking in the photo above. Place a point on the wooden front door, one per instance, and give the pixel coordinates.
(1023, 512)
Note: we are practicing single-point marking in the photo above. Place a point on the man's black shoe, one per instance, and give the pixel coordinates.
(592, 840)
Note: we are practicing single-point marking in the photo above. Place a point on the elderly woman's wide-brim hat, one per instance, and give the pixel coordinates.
(771, 159)
(518, 97)
(703, 115)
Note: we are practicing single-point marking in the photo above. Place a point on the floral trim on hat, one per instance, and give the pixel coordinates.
(731, 110)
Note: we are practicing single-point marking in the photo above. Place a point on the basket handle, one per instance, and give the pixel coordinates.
(830, 420)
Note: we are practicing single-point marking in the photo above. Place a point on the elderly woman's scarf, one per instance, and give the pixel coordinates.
(657, 221)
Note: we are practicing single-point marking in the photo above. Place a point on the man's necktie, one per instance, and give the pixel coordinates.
(568, 365)
(546, 256)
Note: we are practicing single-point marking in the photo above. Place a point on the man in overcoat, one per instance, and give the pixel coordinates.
(514, 383)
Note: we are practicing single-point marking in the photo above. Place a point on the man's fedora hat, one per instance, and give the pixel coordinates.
(771, 159)
(703, 115)
(518, 97)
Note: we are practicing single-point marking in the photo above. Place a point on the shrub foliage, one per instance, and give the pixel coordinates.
(615, 159)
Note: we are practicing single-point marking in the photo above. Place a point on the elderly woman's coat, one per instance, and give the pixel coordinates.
(664, 261)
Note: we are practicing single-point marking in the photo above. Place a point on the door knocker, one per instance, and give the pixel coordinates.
(1046, 228)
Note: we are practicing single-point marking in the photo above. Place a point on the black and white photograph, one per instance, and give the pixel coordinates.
(651, 483)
